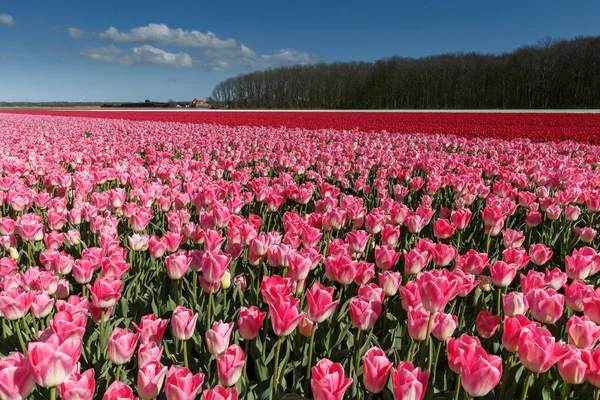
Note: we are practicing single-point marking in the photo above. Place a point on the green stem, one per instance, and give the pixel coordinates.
(102, 332)
(426, 346)
(526, 385)
(458, 241)
(20, 336)
(308, 365)
(437, 356)
(499, 304)
(265, 334)
(506, 373)
(411, 352)
(246, 363)
(185, 355)
(179, 293)
(194, 284)
(361, 337)
(53, 393)
(210, 300)
(118, 373)
(457, 390)
(224, 301)
(276, 370)
(487, 242)
(597, 391)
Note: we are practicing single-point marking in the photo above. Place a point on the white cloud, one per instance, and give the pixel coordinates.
(214, 53)
(145, 54)
(6, 19)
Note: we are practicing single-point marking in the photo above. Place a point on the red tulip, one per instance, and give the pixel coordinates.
(409, 382)
(486, 324)
(16, 380)
(181, 384)
(78, 386)
(150, 378)
(230, 364)
(376, 369)
(217, 338)
(328, 381)
(320, 303)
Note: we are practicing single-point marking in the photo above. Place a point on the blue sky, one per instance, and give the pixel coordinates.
(131, 50)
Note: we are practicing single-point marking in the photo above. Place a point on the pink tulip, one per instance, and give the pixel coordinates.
(512, 330)
(386, 257)
(364, 312)
(444, 326)
(214, 265)
(538, 350)
(250, 322)
(328, 381)
(575, 293)
(118, 391)
(16, 380)
(443, 254)
(481, 375)
(357, 239)
(443, 229)
(390, 282)
(53, 360)
(150, 378)
(376, 369)
(320, 303)
(151, 328)
(555, 278)
(121, 345)
(183, 323)
(78, 386)
(591, 305)
(149, 352)
(460, 218)
(503, 273)
(582, 332)
(415, 261)
(273, 286)
(409, 296)
(181, 384)
(540, 254)
(514, 303)
(217, 338)
(461, 351)
(15, 303)
(285, 316)
(105, 292)
(573, 367)
(546, 306)
(230, 364)
(513, 239)
(177, 265)
(220, 393)
(409, 382)
(578, 266)
(472, 262)
(42, 305)
(436, 290)
(418, 321)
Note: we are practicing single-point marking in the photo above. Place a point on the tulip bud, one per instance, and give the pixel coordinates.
(14, 254)
(226, 280)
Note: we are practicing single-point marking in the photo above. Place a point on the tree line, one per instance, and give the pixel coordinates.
(550, 74)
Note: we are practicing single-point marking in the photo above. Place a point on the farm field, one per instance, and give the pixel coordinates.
(538, 126)
(299, 255)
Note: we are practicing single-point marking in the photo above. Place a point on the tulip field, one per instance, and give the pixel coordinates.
(145, 257)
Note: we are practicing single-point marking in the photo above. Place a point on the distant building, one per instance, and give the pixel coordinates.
(199, 103)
